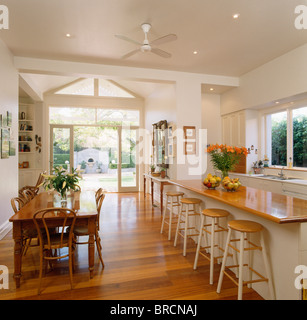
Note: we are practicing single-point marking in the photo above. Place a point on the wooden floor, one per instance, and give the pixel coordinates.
(140, 263)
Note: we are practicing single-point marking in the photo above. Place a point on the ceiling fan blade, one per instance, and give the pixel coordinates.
(127, 39)
(129, 54)
(161, 53)
(168, 38)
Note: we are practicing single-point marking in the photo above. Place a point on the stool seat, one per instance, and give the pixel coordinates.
(215, 213)
(190, 201)
(174, 194)
(245, 226)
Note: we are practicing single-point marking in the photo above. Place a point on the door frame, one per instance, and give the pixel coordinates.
(120, 188)
(71, 142)
(119, 165)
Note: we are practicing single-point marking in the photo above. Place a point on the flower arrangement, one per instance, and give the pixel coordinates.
(62, 181)
(225, 158)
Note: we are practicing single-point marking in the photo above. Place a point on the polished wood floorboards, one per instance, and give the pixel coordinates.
(140, 263)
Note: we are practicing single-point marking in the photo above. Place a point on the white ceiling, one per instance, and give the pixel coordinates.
(264, 31)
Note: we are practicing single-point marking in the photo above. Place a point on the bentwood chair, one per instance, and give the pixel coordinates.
(50, 241)
(35, 188)
(81, 231)
(27, 234)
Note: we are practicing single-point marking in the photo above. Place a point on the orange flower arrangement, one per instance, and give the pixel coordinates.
(225, 158)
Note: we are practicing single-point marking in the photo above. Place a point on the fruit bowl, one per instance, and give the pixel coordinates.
(212, 181)
(231, 185)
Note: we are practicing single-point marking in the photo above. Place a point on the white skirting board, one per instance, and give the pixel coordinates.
(5, 228)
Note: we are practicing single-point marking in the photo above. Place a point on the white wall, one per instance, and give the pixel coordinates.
(8, 167)
(161, 105)
(283, 77)
(211, 120)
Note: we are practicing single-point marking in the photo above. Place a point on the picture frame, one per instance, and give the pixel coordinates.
(12, 149)
(189, 132)
(9, 118)
(190, 148)
(5, 143)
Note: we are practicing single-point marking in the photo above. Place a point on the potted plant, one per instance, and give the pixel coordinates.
(163, 172)
(225, 158)
(62, 181)
(152, 168)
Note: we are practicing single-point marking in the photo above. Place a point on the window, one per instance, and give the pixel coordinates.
(81, 88)
(90, 87)
(94, 116)
(286, 137)
(279, 139)
(300, 137)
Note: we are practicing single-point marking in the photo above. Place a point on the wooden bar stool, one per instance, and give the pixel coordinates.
(211, 229)
(244, 228)
(185, 213)
(172, 199)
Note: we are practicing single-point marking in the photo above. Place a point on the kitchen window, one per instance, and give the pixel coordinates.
(286, 137)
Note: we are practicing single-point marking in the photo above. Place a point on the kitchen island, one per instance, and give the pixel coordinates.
(284, 219)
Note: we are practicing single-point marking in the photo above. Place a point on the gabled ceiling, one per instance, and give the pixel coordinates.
(225, 46)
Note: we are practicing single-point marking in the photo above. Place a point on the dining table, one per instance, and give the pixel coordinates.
(82, 202)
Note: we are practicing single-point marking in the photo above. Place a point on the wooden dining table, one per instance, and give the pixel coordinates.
(82, 202)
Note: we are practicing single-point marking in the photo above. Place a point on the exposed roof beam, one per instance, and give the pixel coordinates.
(30, 88)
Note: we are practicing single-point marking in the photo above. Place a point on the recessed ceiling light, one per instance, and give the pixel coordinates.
(68, 35)
(236, 15)
(211, 89)
(195, 52)
(277, 102)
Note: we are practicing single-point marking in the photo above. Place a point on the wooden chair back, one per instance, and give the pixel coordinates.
(40, 218)
(20, 203)
(98, 193)
(99, 202)
(28, 195)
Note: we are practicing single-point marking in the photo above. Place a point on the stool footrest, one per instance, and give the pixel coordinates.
(262, 278)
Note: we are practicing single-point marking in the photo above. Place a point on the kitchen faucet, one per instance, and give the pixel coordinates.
(281, 174)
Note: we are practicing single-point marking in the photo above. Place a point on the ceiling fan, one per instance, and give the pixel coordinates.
(147, 46)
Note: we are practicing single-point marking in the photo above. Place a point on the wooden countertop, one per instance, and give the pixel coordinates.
(268, 205)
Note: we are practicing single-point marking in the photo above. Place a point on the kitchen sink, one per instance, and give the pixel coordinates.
(279, 178)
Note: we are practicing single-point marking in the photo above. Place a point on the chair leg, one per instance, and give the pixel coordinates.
(164, 214)
(41, 260)
(219, 286)
(241, 256)
(98, 245)
(178, 224)
(212, 249)
(170, 220)
(70, 258)
(186, 228)
(199, 241)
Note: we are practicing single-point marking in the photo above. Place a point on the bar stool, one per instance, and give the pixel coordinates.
(245, 227)
(186, 213)
(215, 215)
(172, 199)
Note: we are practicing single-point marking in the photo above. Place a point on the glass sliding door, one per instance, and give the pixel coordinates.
(129, 173)
(106, 156)
(96, 154)
(61, 151)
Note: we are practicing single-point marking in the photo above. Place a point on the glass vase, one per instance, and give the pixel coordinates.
(224, 174)
(64, 199)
